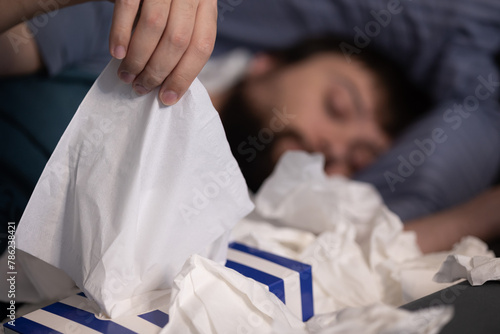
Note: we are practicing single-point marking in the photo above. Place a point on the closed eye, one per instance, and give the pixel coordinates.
(334, 110)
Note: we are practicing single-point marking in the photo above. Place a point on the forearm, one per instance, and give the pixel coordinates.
(14, 12)
(19, 58)
(480, 218)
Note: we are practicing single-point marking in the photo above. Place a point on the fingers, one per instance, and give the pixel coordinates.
(124, 14)
(171, 43)
(171, 48)
(196, 55)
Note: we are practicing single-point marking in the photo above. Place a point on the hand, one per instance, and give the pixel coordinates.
(479, 217)
(172, 41)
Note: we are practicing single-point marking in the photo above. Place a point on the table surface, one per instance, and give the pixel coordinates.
(477, 308)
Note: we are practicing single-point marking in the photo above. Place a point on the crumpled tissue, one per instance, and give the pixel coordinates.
(417, 274)
(357, 248)
(477, 270)
(132, 190)
(210, 298)
(360, 257)
(359, 241)
(379, 318)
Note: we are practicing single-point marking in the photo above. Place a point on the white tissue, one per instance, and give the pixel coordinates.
(417, 275)
(210, 298)
(360, 257)
(477, 270)
(360, 254)
(132, 190)
(379, 318)
(360, 242)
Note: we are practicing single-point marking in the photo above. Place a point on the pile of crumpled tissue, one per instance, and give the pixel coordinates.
(364, 264)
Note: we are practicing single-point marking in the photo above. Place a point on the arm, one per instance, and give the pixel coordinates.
(14, 12)
(169, 46)
(20, 57)
(479, 217)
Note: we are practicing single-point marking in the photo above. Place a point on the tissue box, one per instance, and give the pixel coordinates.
(289, 280)
(75, 315)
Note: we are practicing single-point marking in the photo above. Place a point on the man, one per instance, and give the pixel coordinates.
(307, 97)
(448, 157)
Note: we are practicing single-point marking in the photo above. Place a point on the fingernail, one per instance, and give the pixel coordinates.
(127, 77)
(140, 89)
(168, 97)
(119, 52)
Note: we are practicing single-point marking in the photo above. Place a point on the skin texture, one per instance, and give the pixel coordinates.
(21, 59)
(479, 217)
(333, 107)
(171, 43)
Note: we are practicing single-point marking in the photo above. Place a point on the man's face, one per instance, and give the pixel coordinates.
(334, 109)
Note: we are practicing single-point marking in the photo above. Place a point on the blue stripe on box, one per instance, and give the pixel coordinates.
(86, 318)
(307, 294)
(156, 317)
(23, 325)
(275, 284)
(289, 263)
(303, 269)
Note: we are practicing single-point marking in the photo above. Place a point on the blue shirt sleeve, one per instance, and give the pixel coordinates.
(447, 158)
(74, 36)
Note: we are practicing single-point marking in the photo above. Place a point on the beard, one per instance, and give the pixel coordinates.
(242, 127)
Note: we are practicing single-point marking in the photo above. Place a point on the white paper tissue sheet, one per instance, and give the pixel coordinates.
(477, 270)
(132, 190)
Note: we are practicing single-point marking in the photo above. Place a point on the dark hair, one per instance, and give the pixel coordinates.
(405, 102)
(240, 123)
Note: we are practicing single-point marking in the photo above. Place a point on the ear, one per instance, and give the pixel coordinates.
(261, 64)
